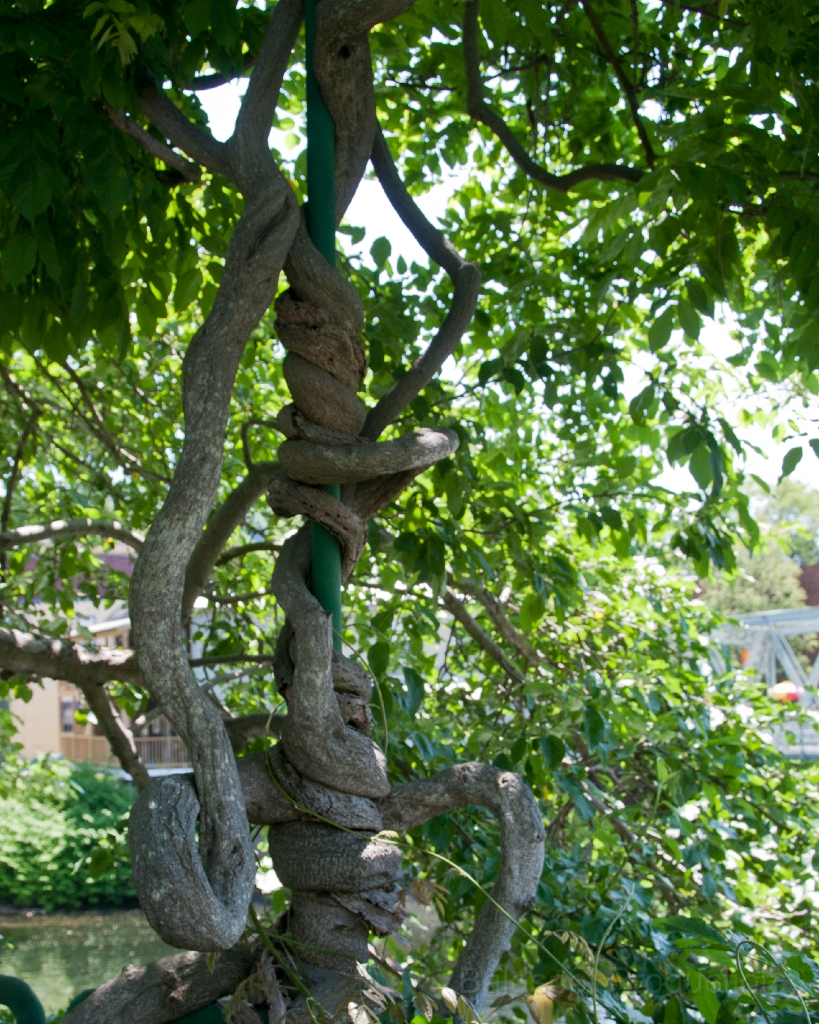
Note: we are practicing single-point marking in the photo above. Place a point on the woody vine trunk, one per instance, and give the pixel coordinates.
(323, 790)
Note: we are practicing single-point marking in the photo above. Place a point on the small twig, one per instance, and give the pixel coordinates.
(14, 476)
(496, 613)
(69, 528)
(484, 641)
(625, 84)
(246, 549)
(479, 109)
(231, 659)
(466, 279)
(189, 171)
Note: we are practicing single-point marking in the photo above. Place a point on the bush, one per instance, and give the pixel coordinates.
(62, 835)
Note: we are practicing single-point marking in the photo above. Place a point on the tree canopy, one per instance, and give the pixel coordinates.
(624, 173)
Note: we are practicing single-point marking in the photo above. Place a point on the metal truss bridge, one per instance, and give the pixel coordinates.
(764, 640)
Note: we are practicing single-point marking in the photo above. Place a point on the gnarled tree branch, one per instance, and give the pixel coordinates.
(479, 109)
(166, 989)
(522, 839)
(240, 550)
(119, 736)
(183, 133)
(29, 654)
(248, 146)
(211, 903)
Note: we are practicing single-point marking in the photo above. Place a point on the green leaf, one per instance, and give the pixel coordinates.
(702, 992)
(19, 257)
(815, 446)
(690, 926)
(594, 726)
(415, 691)
(698, 298)
(198, 16)
(32, 190)
(791, 461)
(640, 404)
(660, 331)
(700, 466)
(10, 88)
(532, 611)
(47, 248)
(380, 251)
(100, 862)
(673, 1013)
(378, 658)
(689, 319)
(553, 749)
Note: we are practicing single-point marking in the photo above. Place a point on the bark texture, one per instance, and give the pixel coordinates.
(323, 789)
(166, 989)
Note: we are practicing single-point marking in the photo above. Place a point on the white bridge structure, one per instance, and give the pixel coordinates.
(763, 639)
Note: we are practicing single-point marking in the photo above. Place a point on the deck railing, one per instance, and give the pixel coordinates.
(155, 751)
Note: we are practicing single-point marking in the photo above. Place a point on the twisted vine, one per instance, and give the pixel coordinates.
(323, 791)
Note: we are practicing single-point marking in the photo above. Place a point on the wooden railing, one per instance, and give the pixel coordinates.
(155, 751)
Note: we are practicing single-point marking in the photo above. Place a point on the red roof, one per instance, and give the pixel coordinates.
(809, 581)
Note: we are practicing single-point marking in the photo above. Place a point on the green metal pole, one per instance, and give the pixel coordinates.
(321, 225)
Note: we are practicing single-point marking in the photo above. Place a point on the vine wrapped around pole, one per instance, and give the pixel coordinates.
(321, 226)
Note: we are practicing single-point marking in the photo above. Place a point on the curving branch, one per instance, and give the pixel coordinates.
(210, 903)
(240, 550)
(16, 465)
(479, 109)
(183, 133)
(482, 639)
(248, 145)
(166, 989)
(122, 122)
(623, 79)
(257, 723)
(522, 847)
(119, 736)
(200, 83)
(343, 68)
(498, 616)
(29, 654)
(69, 528)
(466, 279)
(313, 463)
(230, 514)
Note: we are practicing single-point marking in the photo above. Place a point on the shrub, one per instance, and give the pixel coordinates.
(62, 831)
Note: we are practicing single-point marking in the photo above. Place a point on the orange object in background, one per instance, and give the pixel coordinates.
(785, 692)
(743, 656)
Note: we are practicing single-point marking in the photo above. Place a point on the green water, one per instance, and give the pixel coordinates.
(61, 954)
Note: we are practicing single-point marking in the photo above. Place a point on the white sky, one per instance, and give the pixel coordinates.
(371, 210)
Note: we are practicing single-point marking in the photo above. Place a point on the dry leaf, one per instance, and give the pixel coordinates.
(541, 1005)
(450, 998)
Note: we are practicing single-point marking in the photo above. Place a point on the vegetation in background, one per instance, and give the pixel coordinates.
(678, 837)
(62, 829)
(763, 580)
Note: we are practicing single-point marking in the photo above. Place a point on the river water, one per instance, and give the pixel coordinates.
(59, 955)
